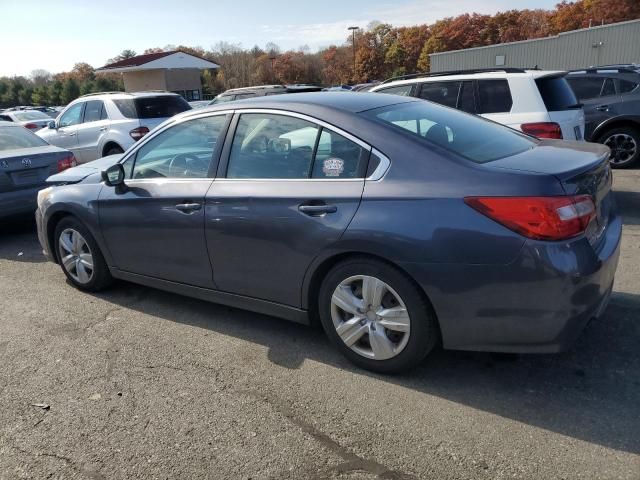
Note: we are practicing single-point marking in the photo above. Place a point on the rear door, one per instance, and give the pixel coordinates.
(94, 127)
(292, 186)
(154, 226)
(563, 106)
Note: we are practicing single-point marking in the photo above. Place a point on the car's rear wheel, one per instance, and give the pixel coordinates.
(80, 257)
(376, 316)
(624, 143)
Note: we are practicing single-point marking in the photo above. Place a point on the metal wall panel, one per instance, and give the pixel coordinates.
(602, 45)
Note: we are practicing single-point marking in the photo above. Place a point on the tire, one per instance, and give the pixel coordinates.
(84, 256)
(404, 348)
(624, 143)
(113, 150)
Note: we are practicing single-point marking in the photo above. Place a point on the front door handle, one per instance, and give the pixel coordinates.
(317, 210)
(602, 108)
(103, 129)
(188, 207)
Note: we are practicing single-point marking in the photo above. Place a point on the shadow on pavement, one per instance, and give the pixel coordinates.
(590, 393)
(19, 240)
(628, 204)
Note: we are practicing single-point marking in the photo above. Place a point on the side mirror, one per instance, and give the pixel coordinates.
(52, 124)
(114, 175)
(279, 145)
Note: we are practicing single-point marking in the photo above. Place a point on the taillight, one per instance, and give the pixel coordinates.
(31, 126)
(541, 218)
(66, 162)
(138, 133)
(542, 129)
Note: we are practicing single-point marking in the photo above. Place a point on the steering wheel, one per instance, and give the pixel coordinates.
(179, 165)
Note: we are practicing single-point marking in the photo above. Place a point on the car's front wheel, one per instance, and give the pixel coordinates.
(80, 257)
(624, 143)
(376, 316)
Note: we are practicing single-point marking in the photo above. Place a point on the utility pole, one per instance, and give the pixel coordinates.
(353, 32)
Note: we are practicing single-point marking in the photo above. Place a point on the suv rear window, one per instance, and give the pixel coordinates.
(162, 106)
(557, 94)
(467, 135)
(494, 96)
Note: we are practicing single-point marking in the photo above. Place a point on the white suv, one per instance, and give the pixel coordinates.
(101, 124)
(540, 103)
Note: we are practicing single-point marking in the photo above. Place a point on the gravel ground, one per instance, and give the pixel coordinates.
(139, 383)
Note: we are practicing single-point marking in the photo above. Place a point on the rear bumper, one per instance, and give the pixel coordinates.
(540, 303)
(19, 201)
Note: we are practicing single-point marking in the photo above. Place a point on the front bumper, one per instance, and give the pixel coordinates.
(540, 303)
(42, 237)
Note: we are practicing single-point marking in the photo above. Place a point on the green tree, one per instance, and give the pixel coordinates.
(55, 93)
(40, 95)
(70, 91)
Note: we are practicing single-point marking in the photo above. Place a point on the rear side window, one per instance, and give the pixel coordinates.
(444, 93)
(494, 96)
(557, 94)
(608, 88)
(586, 88)
(469, 136)
(625, 86)
(163, 106)
(14, 138)
(403, 90)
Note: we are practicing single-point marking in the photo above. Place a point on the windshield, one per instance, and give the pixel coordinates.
(162, 106)
(12, 138)
(31, 115)
(467, 135)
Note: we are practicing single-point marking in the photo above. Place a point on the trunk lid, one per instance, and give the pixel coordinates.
(28, 167)
(582, 169)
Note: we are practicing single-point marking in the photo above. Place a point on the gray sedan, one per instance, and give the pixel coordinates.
(396, 222)
(34, 120)
(25, 163)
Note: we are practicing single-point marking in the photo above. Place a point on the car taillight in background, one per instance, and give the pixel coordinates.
(540, 218)
(543, 129)
(31, 126)
(66, 162)
(138, 133)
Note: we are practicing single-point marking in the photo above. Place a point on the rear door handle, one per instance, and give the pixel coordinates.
(317, 210)
(602, 108)
(188, 207)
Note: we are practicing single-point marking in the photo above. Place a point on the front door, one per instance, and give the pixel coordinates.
(67, 128)
(154, 226)
(290, 191)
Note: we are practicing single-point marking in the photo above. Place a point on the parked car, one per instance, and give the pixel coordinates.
(31, 119)
(611, 99)
(400, 223)
(365, 87)
(537, 102)
(199, 103)
(262, 91)
(102, 124)
(25, 163)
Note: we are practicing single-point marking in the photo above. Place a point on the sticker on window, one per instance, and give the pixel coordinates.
(333, 167)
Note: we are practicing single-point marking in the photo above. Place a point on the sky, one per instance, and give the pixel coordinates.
(41, 34)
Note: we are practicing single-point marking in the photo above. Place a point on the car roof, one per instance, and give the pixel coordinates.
(471, 75)
(120, 95)
(311, 102)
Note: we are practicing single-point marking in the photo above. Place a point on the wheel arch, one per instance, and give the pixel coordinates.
(110, 144)
(615, 122)
(321, 267)
(51, 225)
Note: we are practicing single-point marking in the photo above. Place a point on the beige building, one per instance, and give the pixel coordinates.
(173, 71)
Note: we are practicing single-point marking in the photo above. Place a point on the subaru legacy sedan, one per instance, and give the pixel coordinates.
(398, 223)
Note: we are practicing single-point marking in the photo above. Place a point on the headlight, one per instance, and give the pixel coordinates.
(43, 195)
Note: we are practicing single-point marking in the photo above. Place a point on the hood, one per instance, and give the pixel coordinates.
(79, 173)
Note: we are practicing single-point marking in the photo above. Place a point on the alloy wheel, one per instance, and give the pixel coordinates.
(623, 148)
(75, 256)
(370, 317)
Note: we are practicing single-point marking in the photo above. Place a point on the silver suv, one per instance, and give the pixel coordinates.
(101, 124)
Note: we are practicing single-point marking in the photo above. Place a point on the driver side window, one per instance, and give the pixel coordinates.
(182, 151)
(71, 116)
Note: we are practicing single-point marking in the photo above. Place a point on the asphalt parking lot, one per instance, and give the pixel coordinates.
(137, 383)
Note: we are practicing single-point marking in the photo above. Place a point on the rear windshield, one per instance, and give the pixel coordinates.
(557, 94)
(12, 138)
(31, 115)
(164, 106)
(469, 136)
